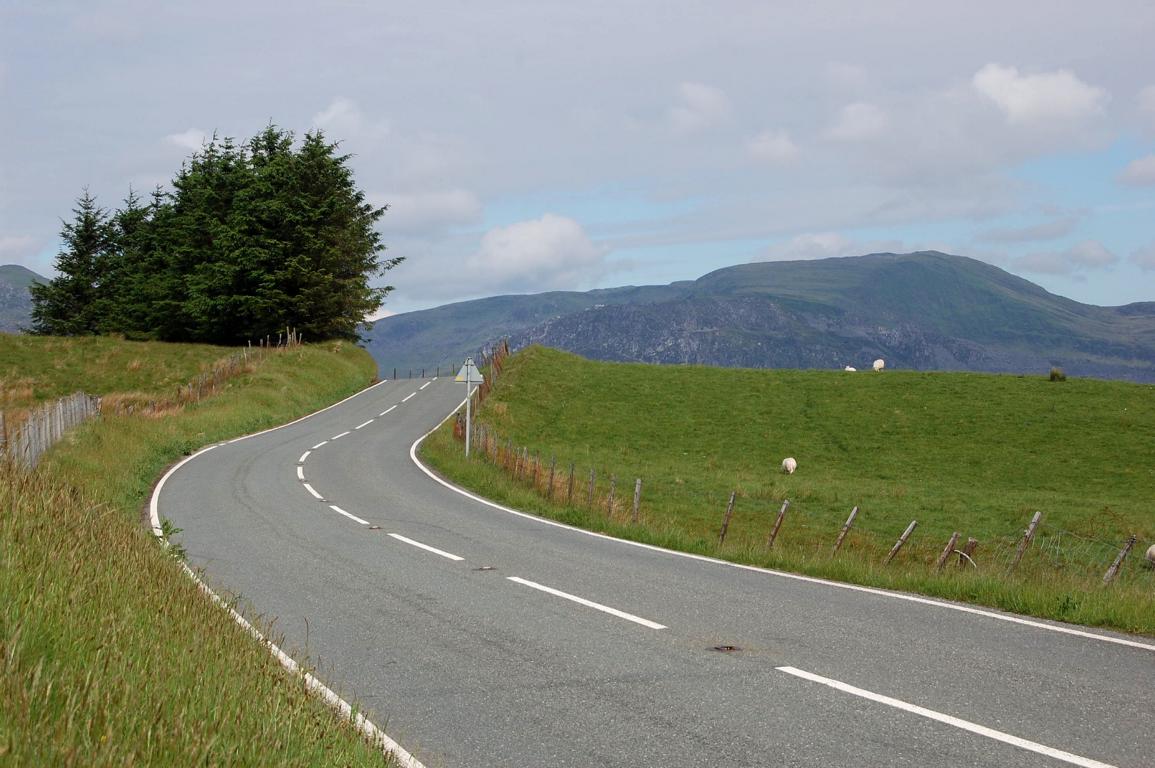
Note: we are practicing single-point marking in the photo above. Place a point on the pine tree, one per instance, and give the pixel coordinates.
(72, 303)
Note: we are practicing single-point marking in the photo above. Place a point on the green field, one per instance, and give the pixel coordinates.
(977, 454)
(109, 654)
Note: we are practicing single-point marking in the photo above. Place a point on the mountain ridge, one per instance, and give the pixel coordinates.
(926, 310)
(15, 299)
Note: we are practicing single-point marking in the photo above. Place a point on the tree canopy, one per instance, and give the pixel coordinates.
(251, 239)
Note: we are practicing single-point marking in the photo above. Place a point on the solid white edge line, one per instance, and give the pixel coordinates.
(426, 384)
(300, 473)
(318, 445)
(965, 725)
(316, 495)
(340, 511)
(411, 394)
(426, 547)
(304, 456)
(367, 423)
(782, 574)
(364, 725)
(387, 410)
(338, 437)
(589, 603)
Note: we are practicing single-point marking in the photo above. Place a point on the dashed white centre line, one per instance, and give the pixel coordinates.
(300, 473)
(318, 445)
(338, 437)
(340, 511)
(304, 456)
(965, 725)
(367, 423)
(423, 386)
(316, 495)
(426, 547)
(387, 410)
(411, 394)
(589, 603)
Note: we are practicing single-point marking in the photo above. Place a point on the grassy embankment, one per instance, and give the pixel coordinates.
(978, 454)
(109, 655)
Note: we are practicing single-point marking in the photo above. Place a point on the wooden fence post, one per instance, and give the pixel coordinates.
(901, 540)
(569, 490)
(777, 524)
(549, 491)
(845, 528)
(946, 552)
(590, 491)
(1026, 540)
(610, 504)
(726, 518)
(968, 551)
(1114, 569)
(637, 498)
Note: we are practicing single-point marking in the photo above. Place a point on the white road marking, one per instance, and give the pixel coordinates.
(426, 547)
(387, 410)
(304, 456)
(411, 394)
(363, 724)
(318, 445)
(340, 511)
(755, 569)
(426, 384)
(338, 437)
(316, 495)
(300, 473)
(367, 423)
(965, 725)
(589, 603)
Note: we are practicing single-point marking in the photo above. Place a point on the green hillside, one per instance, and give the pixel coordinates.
(109, 654)
(972, 453)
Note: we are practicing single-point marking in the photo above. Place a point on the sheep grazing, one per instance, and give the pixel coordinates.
(1150, 554)
(879, 364)
(850, 368)
(789, 465)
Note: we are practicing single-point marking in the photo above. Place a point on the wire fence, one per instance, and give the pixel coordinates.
(752, 521)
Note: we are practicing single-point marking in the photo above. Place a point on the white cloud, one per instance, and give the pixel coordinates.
(192, 139)
(859, 121)
(846, 77)
(701, 107)
(18, 249)
(543, 254)
(1043, 97)
(825, 245)
(343, 119)
(1086, 255)
(774, 147)
(1139, 172)
(1047, 230)
(1146, 100)
(1144, 257)
(380, 314)
(428, 212)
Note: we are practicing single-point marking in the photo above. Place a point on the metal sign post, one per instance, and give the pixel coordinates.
(470, 375)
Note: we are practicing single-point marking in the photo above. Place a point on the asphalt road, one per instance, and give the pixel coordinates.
(478, 637)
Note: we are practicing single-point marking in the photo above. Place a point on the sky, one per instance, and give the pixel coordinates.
(533, 146)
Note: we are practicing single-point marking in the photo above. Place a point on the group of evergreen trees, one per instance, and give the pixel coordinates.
(250, 240)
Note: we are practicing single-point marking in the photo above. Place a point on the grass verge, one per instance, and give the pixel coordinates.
(976, 454)
(109, 654)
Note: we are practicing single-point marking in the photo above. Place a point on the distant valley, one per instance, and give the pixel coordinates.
(922, 311)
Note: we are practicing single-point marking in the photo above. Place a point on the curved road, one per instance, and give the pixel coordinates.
(479, 637)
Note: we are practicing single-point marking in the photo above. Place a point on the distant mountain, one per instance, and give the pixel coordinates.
(15, 300)
(924, 311)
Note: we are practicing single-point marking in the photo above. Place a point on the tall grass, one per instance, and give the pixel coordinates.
(971, 453)
(109, 654)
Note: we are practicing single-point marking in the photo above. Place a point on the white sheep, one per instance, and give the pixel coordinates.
(879, 364)
(789, 465)
(1151, 556)
(850, 368)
